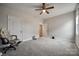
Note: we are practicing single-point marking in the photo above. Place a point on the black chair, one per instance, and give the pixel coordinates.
(5, 44)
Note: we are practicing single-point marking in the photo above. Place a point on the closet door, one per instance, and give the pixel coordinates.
(14, 26)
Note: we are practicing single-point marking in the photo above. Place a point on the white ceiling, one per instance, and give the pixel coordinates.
(29, 8)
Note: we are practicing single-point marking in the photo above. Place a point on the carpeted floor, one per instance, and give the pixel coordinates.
(45, 47)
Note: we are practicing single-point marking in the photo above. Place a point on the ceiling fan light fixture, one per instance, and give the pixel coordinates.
(44, 11)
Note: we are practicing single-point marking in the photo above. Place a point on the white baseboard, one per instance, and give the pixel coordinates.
(27, 39)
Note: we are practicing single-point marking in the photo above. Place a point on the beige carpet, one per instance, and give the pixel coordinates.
(45, 47)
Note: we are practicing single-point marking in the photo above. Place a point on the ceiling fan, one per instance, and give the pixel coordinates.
(44, 8)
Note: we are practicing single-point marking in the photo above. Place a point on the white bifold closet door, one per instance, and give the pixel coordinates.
(15, 27)
(23, 28)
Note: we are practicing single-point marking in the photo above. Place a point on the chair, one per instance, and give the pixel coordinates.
(6, 43)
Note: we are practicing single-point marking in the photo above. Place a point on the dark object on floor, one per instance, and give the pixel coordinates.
(53, 37)
(34, 38)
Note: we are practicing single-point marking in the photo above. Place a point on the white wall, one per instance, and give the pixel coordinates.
(18, 22)
(77, 25)
(61, 26)
(3, 22)
(24, 28)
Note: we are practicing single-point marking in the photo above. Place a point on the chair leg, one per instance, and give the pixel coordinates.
(13, 47)
(3, 48)
(6, 49)
(18, 43)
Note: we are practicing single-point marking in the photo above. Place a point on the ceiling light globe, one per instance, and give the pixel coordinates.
(44, 10)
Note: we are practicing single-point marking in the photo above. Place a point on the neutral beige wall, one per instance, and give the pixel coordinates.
(61, 26)
(16, 21)
(3, 22)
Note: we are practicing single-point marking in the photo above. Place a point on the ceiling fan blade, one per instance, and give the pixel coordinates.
(43, 5)
(41, 12)
(47, 12)
(50, 7)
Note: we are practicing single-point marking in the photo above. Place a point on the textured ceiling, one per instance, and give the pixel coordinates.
(29, 8)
